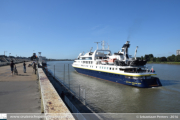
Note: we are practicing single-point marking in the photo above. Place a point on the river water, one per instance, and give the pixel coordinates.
(108, 97)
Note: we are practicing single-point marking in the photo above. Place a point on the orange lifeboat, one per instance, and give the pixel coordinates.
(111, 61)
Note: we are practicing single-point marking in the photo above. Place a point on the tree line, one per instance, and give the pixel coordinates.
(151, 58)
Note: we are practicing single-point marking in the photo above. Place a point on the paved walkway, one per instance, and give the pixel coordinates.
(19, 93)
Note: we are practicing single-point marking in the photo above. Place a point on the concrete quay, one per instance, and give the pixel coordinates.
(19, 93)
(30, 93)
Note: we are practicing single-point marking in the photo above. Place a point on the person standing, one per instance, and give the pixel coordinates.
(24, 64)
(12, 67)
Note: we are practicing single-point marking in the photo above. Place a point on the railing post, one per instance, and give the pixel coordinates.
(84, 96)
(69, 77)
(64, 75)
(79, 92)
(54, 71)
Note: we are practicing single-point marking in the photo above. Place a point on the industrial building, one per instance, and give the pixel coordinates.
(178, 52)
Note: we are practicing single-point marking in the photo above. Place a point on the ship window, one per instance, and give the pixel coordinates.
(104, 67)
(100, 67)
(96, 66)
(116, 68)
(109, 68)
(112, 68)
(121, 69)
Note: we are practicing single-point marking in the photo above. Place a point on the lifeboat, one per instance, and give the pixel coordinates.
(111, 61)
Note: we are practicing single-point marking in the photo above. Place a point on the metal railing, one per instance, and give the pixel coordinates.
(74, 109)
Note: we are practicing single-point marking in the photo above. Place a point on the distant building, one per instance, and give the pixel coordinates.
(178, 52)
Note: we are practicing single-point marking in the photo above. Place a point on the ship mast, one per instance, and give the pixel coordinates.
(97, 44)
(103, 45)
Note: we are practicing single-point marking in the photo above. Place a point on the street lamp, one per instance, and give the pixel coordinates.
(4, 52)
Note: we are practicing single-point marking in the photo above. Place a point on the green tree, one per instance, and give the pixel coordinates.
(151, 59)
(158, 59)
(177, 58)
(163, 59)
(154, 59)
(146, 57)
(171, 58)
(151, 56)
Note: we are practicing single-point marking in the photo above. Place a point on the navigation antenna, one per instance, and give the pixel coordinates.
(108, 46)
(103, 45)
(135, 52)
(91, 49)
(97, 44)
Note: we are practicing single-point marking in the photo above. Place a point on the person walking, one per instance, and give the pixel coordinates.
(12, 67)
(24, 64)
(34, 67)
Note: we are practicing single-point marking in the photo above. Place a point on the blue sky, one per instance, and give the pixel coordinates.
(64, 28)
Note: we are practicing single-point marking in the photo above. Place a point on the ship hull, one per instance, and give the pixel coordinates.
(122, 79)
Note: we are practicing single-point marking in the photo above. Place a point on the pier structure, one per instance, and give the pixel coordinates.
(19, 93)
(30, 93)
(50, 100)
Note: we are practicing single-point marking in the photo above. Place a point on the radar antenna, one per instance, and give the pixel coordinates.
(97, 44)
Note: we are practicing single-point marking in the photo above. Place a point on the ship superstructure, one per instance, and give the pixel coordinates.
(119, 67)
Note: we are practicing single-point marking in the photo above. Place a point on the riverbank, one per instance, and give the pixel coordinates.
(173, 63)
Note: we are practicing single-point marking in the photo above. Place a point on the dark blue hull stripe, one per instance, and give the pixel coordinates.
(122, 79)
